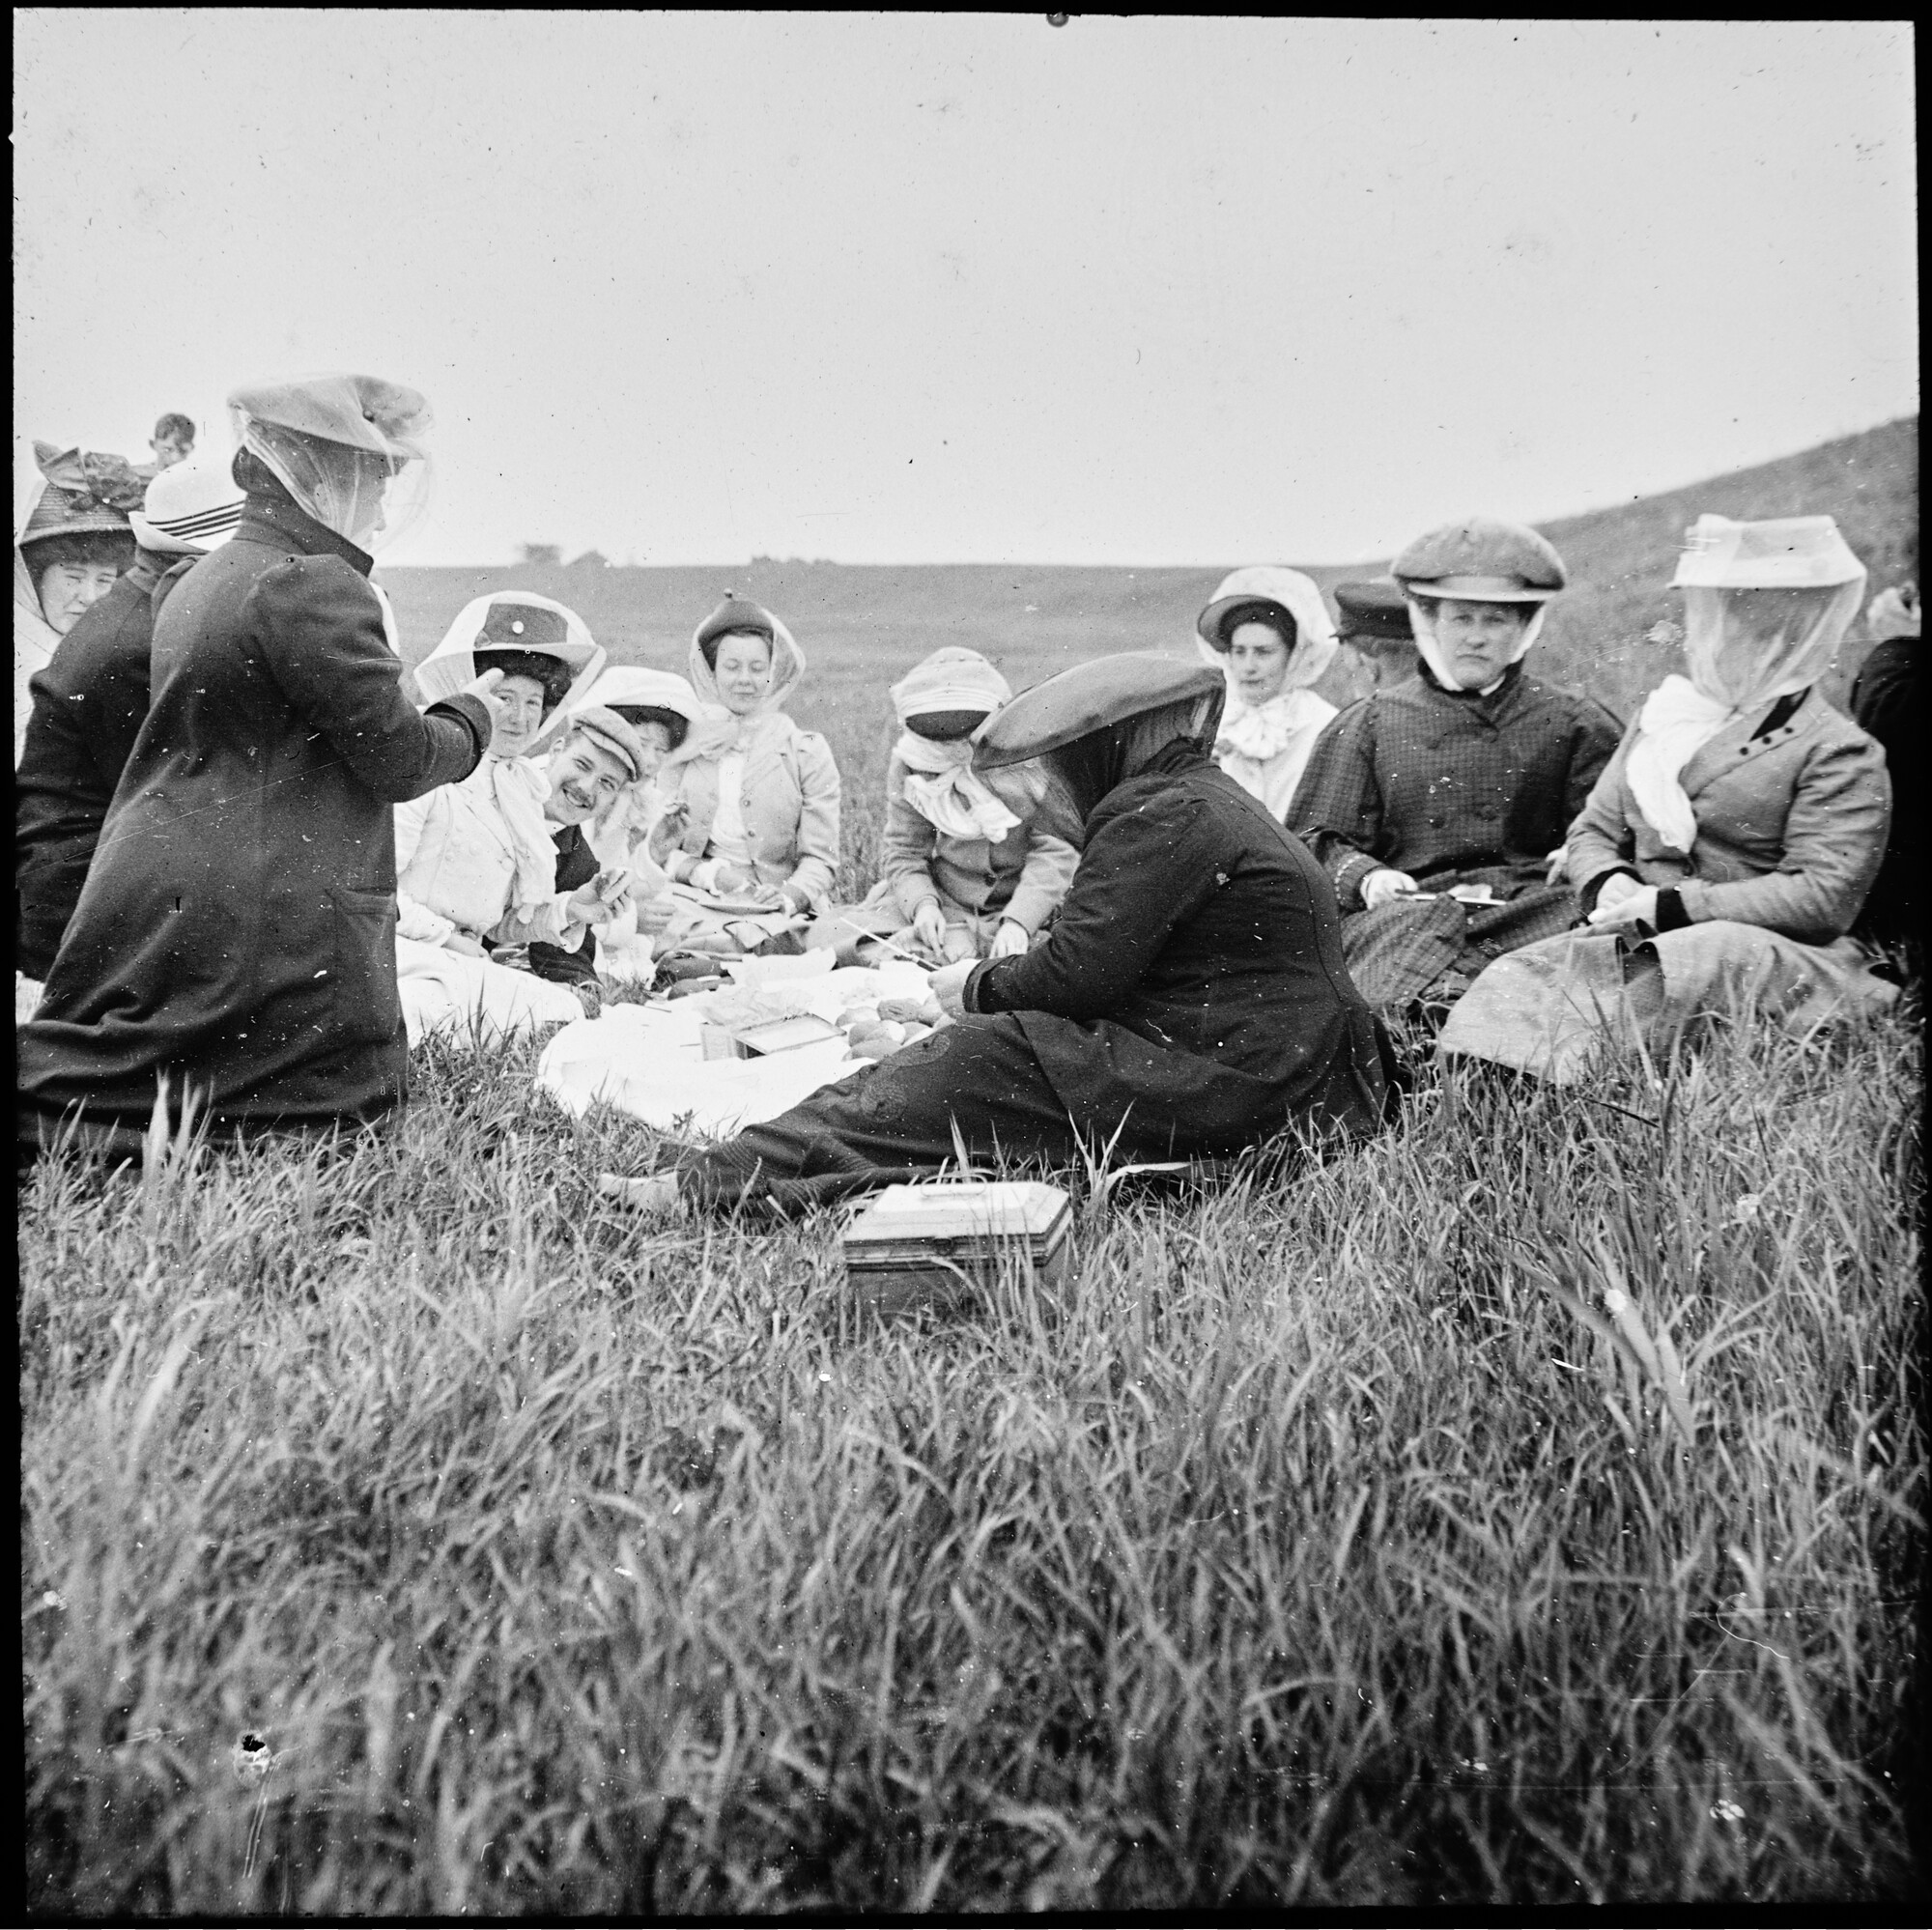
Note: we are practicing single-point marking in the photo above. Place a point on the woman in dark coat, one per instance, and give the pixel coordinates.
(90, 702)
(1190, 999)
(236, 933)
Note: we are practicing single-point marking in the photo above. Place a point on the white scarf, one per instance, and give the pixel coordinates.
(518, 789)
(1677, 720)
(1263, 732)
(950, 798)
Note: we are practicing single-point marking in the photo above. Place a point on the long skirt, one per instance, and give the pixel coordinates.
(980, 1087)
(1552, 1009)
(443, 991)
(1410, 948)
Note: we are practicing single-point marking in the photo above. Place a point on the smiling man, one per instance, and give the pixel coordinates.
(1435, 804)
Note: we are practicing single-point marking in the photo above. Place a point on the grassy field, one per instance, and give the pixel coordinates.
(1312, 1547)
(1526, 1508)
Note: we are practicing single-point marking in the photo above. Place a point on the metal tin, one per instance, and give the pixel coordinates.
(944, 1244)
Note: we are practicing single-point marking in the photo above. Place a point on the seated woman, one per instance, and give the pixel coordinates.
(1190, 998)
(1726, 850)
(476, 863)
(751, 808)
(73, 541)
(1457, 782)
(1267, 631)
(964, 878)
(1888, 701)
(90, 701)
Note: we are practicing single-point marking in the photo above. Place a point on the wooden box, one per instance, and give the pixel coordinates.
(781, 1035)
(943, 1244)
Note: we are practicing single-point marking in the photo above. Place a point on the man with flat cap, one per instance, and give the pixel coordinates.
(1374, 623)
(1434, 804)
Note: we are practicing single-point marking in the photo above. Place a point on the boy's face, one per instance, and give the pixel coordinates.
(169, 451)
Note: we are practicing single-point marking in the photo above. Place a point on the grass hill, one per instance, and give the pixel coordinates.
(861, 625)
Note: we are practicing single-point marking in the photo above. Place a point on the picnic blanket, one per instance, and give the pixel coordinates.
(648, 1060)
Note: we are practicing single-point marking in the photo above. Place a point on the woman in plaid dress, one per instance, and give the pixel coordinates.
(1435, 804)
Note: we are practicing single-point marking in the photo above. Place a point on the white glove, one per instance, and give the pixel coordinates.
(1637, 905)
(1382, 884)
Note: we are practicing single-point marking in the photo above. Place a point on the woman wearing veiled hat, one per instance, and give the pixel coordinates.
(1267, 631)
(71, 540)
(1723, 855)
(1189, 999)
(751, 800)
(476, 861)
(90, 699)
(964, 878)
(236, 936)
(1458, 782)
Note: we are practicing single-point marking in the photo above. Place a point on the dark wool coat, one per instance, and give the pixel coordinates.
(1195, 970)
(1190, 999)
(1888, 701)
(88, 705)
(238, 927)
(1436, 782)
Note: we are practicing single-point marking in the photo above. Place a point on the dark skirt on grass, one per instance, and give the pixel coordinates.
(1028, 1089)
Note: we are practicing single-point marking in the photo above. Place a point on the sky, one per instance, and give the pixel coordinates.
(957, 288)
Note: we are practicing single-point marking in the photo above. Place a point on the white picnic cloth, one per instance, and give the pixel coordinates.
(648, 1060)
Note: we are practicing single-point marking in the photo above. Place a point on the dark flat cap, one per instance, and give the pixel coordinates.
(1481, 558)
(736, 613)
(1088, 698)
(1376, 608)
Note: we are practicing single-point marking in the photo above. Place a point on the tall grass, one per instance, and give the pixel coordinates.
(1327, 1541)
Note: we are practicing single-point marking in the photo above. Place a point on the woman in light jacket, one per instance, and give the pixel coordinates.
(1268, 633)
(1726, 849)
(751, 806)
(964, 876)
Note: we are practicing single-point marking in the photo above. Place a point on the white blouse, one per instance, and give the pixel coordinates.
(456, 870)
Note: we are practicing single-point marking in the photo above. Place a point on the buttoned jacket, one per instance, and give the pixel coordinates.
(1427, 781)
(789, 802)
(1023, 876)
(1791, 825)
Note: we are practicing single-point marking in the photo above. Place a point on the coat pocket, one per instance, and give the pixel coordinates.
(364, 1006)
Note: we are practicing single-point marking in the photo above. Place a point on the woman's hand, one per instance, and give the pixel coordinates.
(1614, 889)
(1558, 867)
(1637, 903)
(1380, 886)
(665, 833)
(949, 986)
(655, 915)
(929, 928)
(1011, 941)
(734, 880)
(462, 944)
